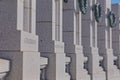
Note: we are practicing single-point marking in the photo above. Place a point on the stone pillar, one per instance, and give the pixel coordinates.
(18, 40)
(116, 34)
(49, 29)
(72, 40)
(105, 43)
(89, 42)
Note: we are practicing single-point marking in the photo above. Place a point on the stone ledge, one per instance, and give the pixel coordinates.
(43, 62)
(4, 66)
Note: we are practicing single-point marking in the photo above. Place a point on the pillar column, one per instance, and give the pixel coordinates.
(115, 34)
(49, 29)
(72, 40)
(105, 43)
(18, 40)
(89, 42)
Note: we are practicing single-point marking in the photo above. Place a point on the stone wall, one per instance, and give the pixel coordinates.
(59, 40)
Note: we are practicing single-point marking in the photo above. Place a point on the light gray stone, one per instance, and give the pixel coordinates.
(18, 39)
(105, 44)
(72, 40)
(49, 29)
(116, 33)
(89, 42)
(4, 68)
(23, 65)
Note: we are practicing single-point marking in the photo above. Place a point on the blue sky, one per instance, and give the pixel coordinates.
(115, 1)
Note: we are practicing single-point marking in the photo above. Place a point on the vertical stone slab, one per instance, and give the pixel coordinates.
(49, 29)
(105, 43)
(19, 42)
(72, 40)
(89, 42)
(116, 34)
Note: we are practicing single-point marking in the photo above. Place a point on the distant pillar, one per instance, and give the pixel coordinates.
(116, 34)
(72, 40)
(89, 42)
(105, 42)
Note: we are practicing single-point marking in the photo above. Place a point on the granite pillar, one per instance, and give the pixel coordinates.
(72, 40)
(89, 42)
(18, 40)
(49, 29)
(105, 43)
(115, 34)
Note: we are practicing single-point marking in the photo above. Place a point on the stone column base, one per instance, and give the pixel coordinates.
(56, 66)
(24, 65)
(112, 72)
(95, 70)
(77, 70)
(99, 76)
(113, 75)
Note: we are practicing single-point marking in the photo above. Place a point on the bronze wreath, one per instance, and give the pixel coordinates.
(83, 6)
(111, 19)
(97, 9)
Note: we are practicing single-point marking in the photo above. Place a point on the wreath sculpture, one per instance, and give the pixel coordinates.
(83, 6)
(97, 10)
(111, 19)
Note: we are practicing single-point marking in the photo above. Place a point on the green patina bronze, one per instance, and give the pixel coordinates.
(111, 19)
(97, 9)
(83, 6)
